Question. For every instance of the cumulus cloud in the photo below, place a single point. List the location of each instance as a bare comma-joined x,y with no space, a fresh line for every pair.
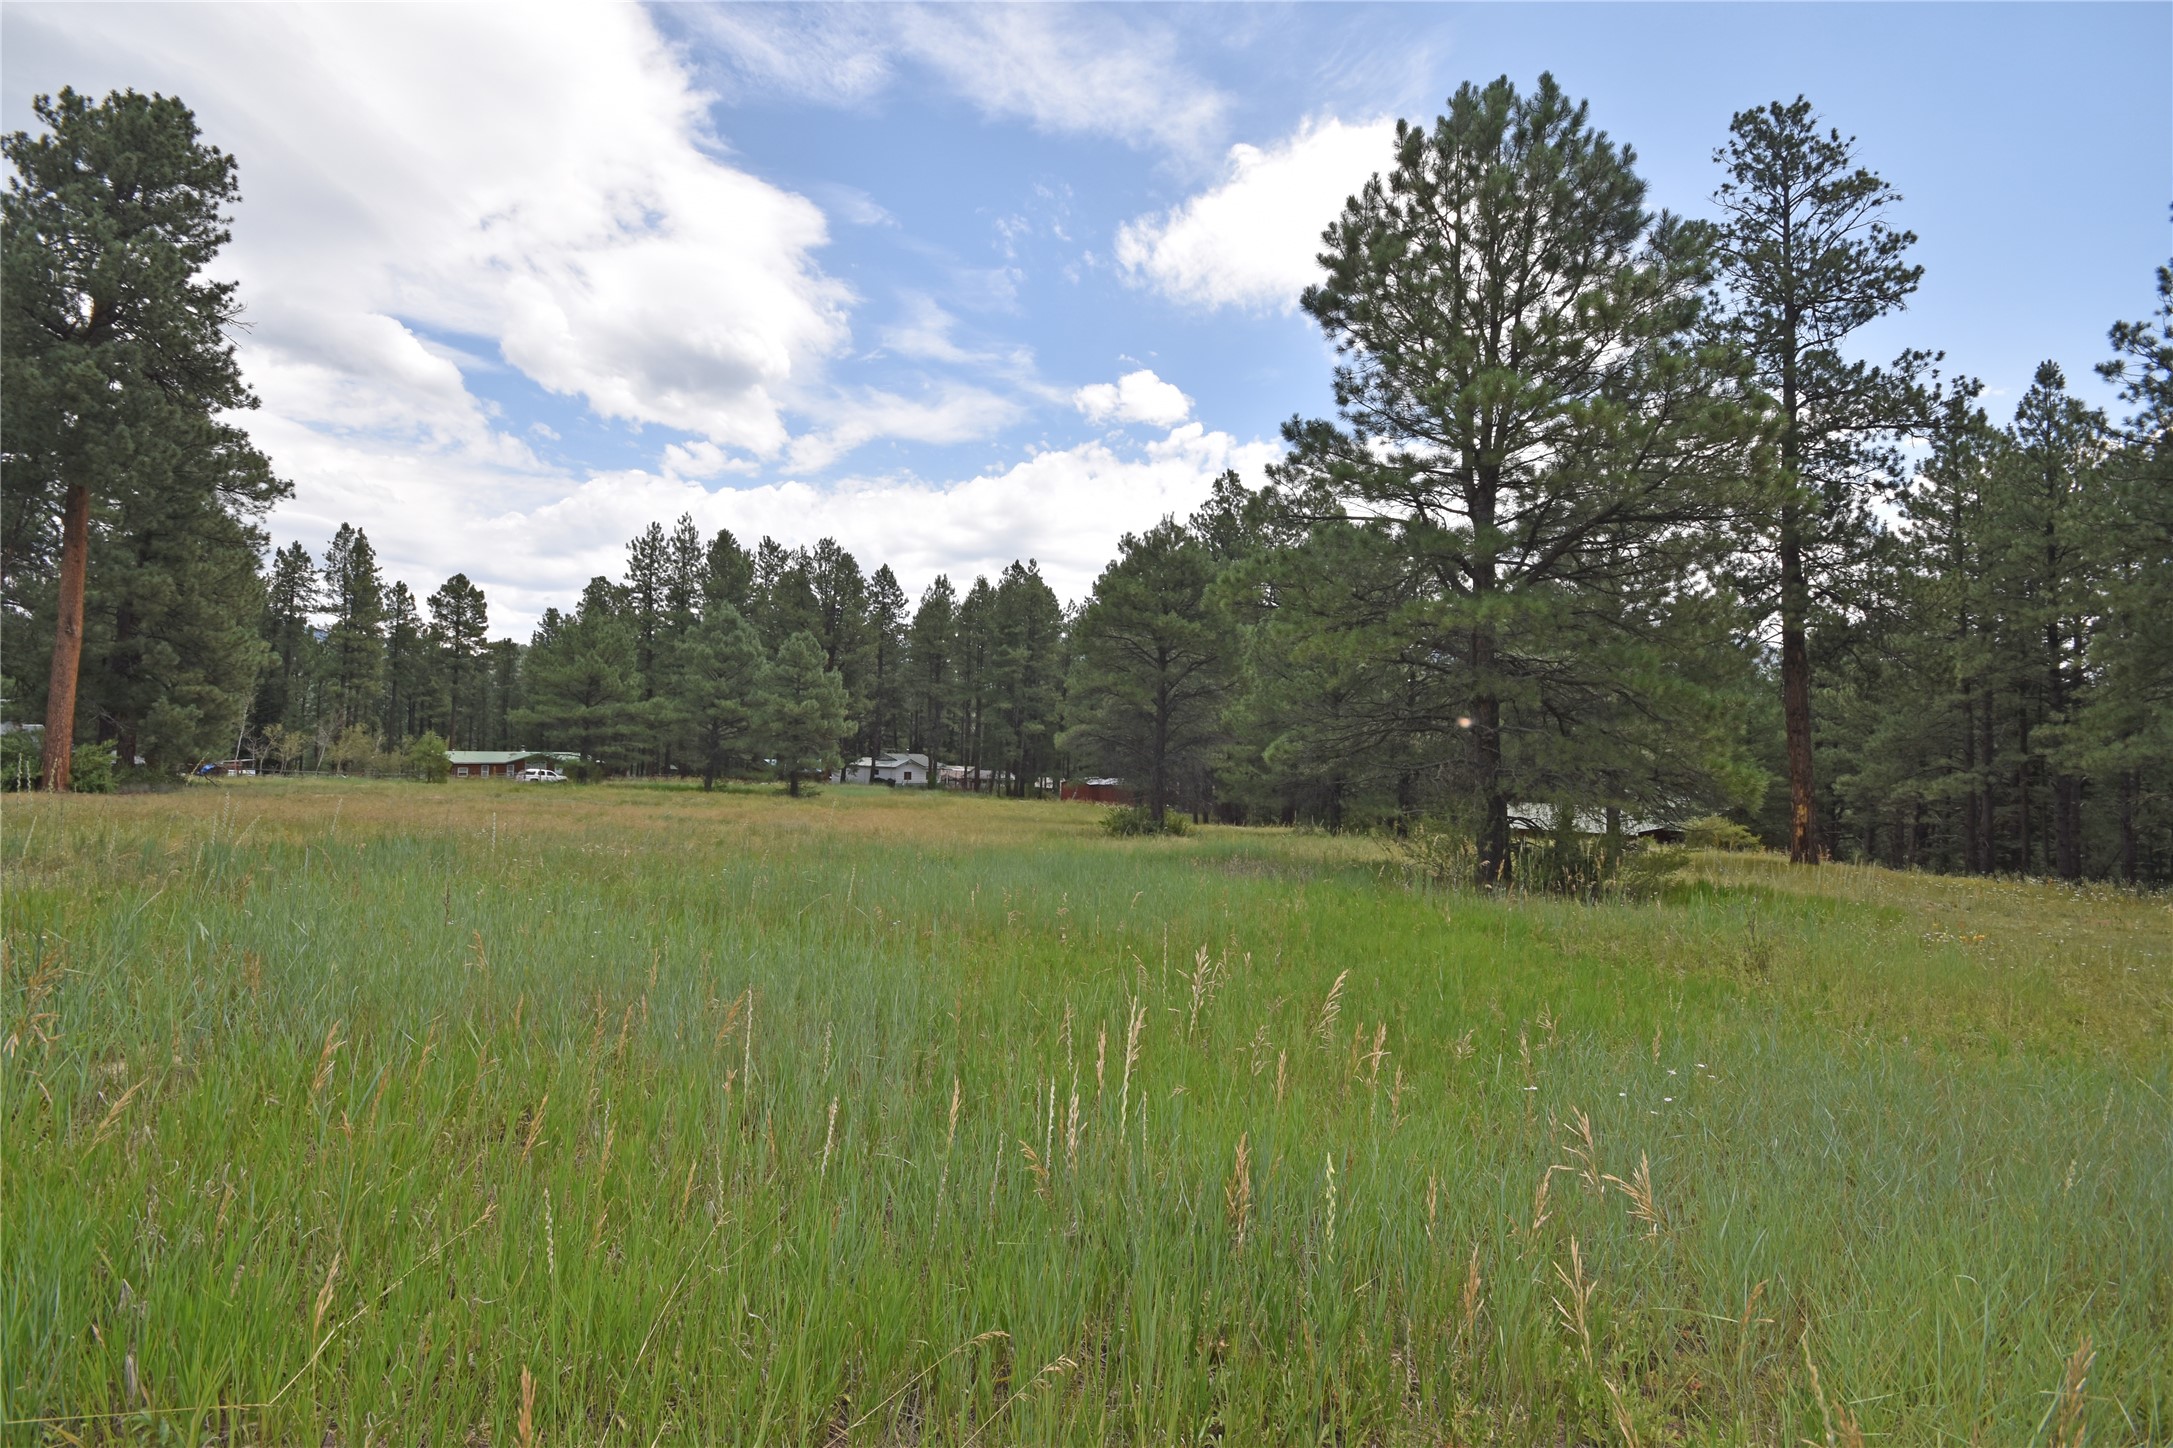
540,181
1135,397
1251,240
1067,508
531,543
436,195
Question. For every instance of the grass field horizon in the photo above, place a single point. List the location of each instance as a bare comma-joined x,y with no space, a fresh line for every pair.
352,1112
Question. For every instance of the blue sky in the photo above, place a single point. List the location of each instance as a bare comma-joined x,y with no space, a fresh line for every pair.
962,284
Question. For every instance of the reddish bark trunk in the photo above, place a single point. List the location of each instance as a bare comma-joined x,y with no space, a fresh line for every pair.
75,547
1796,698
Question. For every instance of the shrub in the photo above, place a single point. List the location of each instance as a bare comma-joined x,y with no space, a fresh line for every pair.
90,769
1564,861
426,758
1129,820
1718,832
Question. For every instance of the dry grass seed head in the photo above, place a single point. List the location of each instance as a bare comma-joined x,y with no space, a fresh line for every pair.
2069,1428
1621,1413
332,1043
1580,1147
1328,1192
113,1112
1841,1429
1330,1009
1643,1206
535,1127
1040,1170
1237,1193
1574,1312
324,1295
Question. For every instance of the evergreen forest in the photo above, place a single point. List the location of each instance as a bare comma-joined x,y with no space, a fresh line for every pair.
1613,524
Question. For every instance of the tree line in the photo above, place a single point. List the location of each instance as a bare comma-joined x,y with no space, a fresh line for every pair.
1609,523
706,658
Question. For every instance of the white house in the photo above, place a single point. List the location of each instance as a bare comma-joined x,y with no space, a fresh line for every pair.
891,768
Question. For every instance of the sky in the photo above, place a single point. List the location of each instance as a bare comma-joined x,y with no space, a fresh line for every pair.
958,285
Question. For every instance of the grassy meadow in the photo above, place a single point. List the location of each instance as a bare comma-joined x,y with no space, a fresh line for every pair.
350,1113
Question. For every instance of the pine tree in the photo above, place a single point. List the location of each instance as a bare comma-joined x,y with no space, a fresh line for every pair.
502,695
884,661
2046,540
840,593
728,574
1943,594
291,599
930,642
1026,672
973,676
174,654
1534,443
685,567
648,563
2129,722
460,628
354,641
115,354
1155,664
1808,259
410,679
719,677
804,704
579,681
781,600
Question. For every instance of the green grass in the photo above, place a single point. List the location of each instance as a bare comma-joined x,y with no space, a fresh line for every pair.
339,1107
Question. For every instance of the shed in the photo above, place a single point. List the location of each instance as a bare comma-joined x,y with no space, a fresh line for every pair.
892,768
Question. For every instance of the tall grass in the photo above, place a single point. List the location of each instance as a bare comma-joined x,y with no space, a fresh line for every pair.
522,1116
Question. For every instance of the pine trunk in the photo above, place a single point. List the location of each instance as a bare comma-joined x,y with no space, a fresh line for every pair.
1494,828
75,547
1796,694
2128,851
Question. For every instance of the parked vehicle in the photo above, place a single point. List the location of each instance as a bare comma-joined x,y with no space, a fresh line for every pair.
542,776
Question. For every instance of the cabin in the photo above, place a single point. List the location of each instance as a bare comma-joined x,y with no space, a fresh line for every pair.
1532,821
960,776
891,768
501,763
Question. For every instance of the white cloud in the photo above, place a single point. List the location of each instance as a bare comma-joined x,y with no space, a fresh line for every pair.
443,196
1135,397
1067,70
923,332
1063,69
831,54
1251,241
1066,508
538,181
533,543
702,458
955,413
